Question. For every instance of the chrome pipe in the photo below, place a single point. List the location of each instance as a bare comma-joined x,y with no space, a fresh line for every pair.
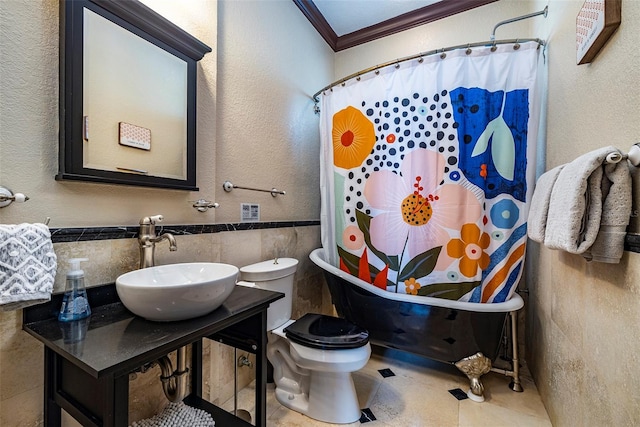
515,384
174,383
240,413
544,12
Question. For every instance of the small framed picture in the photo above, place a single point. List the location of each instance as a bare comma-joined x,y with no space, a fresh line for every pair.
596,22
134,136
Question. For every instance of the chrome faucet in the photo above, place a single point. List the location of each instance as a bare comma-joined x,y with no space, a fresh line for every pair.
147,239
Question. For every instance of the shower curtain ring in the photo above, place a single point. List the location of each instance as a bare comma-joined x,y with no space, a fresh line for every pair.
494,47
397,65
420,60
516,46
443,54
468,51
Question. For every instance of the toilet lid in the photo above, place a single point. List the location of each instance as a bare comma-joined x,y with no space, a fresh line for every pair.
326,332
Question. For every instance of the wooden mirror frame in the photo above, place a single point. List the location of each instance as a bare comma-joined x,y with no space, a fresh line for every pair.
149,25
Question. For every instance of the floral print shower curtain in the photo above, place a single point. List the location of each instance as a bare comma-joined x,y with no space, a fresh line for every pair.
427,169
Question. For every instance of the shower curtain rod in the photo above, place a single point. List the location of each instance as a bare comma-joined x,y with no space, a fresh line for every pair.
492,42
441,51
544,12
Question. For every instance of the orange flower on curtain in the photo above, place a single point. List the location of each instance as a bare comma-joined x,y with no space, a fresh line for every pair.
470,249
353,138
412,286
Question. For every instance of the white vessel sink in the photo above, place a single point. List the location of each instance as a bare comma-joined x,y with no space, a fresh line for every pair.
176,291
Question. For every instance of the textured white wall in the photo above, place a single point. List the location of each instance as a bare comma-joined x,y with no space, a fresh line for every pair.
583,318
255,121
471,26
267,132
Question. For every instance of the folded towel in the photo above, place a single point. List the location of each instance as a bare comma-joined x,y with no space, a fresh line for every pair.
539,208
616,213
27,265
576,203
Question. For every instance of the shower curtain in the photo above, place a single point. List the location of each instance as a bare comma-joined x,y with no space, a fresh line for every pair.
427,169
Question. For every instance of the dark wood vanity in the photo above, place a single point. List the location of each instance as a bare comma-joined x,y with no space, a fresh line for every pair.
87,363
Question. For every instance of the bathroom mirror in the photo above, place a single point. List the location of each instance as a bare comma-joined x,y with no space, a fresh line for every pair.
127,95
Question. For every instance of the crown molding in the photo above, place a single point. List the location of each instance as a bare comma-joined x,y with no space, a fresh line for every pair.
400,23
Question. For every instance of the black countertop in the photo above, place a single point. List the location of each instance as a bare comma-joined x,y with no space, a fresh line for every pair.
114,340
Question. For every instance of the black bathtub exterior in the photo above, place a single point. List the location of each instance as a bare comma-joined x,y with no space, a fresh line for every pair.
443,334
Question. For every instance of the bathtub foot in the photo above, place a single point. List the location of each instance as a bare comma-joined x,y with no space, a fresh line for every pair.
474,367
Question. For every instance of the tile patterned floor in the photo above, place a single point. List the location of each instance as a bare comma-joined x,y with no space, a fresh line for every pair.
417,395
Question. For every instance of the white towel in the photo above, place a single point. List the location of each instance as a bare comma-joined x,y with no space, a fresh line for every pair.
576,204
539,208
27,265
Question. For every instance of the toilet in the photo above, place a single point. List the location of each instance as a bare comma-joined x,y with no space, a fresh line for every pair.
312,357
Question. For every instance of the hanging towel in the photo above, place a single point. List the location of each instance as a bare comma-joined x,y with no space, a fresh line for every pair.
576,204
616,213
537,222
27,265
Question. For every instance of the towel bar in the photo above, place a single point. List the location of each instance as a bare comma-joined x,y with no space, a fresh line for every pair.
228,186
202,205
7,197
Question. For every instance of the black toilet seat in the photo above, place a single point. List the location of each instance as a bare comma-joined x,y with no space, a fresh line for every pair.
326,332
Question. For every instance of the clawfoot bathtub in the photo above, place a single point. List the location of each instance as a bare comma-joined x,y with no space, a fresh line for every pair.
463,333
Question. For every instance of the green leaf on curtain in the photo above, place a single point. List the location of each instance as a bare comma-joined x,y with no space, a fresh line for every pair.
350,260
364,224
452,291
503,150
420,266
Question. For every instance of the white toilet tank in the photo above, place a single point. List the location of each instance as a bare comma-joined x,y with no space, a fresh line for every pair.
274,275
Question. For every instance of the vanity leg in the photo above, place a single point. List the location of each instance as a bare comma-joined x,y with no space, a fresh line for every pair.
116,405
52,412
261,370
196,368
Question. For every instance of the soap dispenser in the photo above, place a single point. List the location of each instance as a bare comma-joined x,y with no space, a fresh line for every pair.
75,304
